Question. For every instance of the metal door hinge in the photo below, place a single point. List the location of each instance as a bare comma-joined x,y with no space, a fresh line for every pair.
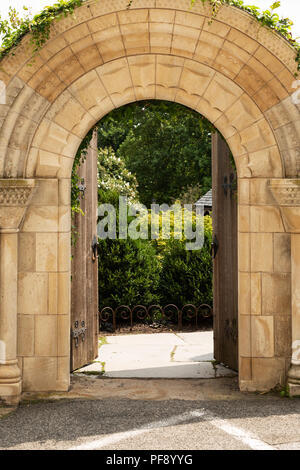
77,332
229,185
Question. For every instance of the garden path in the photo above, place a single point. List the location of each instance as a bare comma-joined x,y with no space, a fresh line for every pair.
162,355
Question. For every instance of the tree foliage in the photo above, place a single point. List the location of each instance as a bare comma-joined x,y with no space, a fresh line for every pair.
165,145
114,176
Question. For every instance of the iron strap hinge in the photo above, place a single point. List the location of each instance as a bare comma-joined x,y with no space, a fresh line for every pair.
77,332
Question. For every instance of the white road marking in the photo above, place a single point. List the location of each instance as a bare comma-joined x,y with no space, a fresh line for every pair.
240,434
237,433
121,436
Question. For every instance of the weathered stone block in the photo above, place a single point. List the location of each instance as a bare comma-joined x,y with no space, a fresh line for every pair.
244,218
160,37
64,191
256,293
276,294
64,252
46,193
244,251
266,219
64,219
46,252
33,293
267,373
283,336
64,293
25,335
136,38
245,369
27,252
52,293
245,335
109,43
40,374
184,40
63,373
45,343
243,191
262,252
262,336
63,335
47,164
282,252
41,219
244,288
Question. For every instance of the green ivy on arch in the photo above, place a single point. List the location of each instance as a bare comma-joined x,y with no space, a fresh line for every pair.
15,28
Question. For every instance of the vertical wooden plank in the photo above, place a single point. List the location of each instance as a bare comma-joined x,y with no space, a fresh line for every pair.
84,306
225,264
216,181
92,265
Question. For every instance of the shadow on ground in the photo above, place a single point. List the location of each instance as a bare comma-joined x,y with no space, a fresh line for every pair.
61,423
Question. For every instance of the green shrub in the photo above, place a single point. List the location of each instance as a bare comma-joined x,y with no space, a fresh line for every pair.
128,273
186,276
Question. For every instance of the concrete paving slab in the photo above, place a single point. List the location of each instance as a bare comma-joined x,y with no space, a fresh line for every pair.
158,356
143,339
200,338
137,349
202,370
193,353
124,354
117,357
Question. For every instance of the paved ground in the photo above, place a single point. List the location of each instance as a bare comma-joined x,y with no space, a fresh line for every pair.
197,406
163,355
128,414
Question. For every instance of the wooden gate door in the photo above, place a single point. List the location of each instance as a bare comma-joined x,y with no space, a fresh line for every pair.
224,252
84,285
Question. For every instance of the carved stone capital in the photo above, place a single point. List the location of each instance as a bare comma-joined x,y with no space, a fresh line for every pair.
286,193
15,195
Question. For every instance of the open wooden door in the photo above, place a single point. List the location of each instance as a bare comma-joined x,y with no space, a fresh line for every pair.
224,252
84,285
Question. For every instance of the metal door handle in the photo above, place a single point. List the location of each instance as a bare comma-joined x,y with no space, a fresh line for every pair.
95,246
214,247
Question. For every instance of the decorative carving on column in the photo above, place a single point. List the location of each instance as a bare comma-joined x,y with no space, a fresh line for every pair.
286,193
15,196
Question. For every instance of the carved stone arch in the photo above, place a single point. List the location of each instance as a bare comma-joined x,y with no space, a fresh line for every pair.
235,72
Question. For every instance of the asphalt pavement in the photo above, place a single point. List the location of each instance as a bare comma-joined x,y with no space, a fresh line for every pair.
113,414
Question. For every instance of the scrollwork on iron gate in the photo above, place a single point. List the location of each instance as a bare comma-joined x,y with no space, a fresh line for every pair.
141,313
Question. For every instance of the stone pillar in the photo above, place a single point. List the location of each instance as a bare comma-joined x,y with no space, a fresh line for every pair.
264,288
287,194
14,198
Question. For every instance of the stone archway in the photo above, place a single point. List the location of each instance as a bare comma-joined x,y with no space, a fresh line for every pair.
237,74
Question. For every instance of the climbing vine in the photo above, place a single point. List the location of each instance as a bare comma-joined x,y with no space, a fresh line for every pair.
15,28
79,159
268,18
